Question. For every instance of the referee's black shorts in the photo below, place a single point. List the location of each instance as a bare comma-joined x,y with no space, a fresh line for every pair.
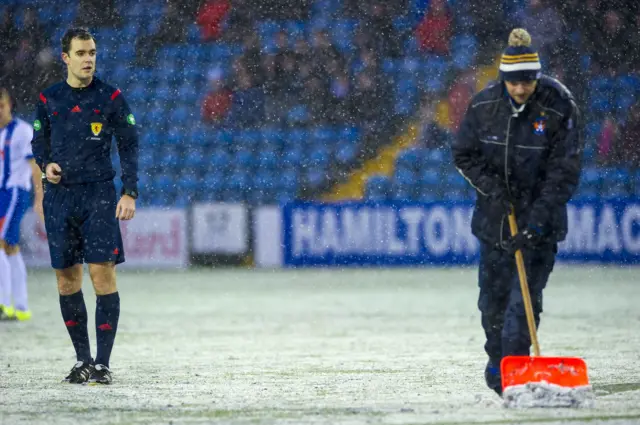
81,224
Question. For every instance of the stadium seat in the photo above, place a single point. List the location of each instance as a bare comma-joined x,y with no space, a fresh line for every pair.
268,159
315,177
219,159
454,181
188,182
220,138
175,136
168,158
187,94
434,157
586,193
324,136
428,195
244,158
296,137
455,195
164,184
430,178
601,85
350,134
288,180
271,138
346,154
282,196
237,186
377,188
146,159
298,115
615,191
264,180
292,156
410,158
195,158
405,176
319,157
247,139
402,192
179,115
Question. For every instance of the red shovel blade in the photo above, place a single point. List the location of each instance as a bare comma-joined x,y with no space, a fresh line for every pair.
562,371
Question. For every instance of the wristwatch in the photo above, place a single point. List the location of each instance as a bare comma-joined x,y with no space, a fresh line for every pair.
131,193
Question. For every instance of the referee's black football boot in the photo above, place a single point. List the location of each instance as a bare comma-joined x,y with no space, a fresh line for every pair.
101,375
80,373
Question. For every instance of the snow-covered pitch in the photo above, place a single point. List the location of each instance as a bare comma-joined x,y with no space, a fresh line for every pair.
315,346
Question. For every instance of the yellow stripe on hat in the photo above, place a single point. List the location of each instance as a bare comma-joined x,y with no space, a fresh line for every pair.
521,61
520,58
524,55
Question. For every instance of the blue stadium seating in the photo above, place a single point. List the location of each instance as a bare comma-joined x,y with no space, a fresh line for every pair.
377,188
315,176
402,192
271,161
430,178
195,158
346,154
288,180
268,159
292,156
454,180
410,158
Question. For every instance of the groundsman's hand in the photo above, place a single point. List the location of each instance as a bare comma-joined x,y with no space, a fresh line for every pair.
126,208
53,173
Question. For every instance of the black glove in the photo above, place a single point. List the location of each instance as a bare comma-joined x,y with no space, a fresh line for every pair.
528,238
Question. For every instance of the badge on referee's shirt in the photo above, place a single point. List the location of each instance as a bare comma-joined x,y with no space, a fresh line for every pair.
96,128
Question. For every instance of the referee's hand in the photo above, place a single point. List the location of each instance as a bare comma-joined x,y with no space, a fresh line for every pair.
53,173
126,208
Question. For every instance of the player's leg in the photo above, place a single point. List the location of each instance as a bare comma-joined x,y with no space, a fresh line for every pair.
7,204
539,264
16,262
103,276
7,312
65,248
103,251
74,314
495,274
19,309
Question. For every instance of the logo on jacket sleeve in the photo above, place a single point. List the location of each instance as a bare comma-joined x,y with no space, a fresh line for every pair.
131,120
37,125
96,128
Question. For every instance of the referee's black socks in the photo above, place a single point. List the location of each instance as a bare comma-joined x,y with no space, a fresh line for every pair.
74,314
107,315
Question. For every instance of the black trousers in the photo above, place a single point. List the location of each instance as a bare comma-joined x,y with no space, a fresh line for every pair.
500,301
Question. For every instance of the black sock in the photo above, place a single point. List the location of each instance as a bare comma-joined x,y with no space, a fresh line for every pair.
74,314
107,314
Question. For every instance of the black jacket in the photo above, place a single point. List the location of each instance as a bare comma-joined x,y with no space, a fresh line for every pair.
74,128
535,154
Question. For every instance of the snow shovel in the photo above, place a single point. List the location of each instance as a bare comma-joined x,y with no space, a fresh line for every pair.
562,373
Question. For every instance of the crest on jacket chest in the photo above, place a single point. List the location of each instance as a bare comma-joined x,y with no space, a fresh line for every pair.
540,124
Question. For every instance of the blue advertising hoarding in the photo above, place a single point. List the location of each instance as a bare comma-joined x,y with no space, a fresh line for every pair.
415,234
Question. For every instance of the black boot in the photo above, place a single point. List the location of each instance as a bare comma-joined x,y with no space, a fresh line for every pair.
492,376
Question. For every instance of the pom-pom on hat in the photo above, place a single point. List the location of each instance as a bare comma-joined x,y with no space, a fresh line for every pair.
520,62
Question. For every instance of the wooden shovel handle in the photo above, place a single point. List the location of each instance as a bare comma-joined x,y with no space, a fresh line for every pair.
524,287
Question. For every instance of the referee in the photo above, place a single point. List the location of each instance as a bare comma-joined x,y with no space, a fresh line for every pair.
75,122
